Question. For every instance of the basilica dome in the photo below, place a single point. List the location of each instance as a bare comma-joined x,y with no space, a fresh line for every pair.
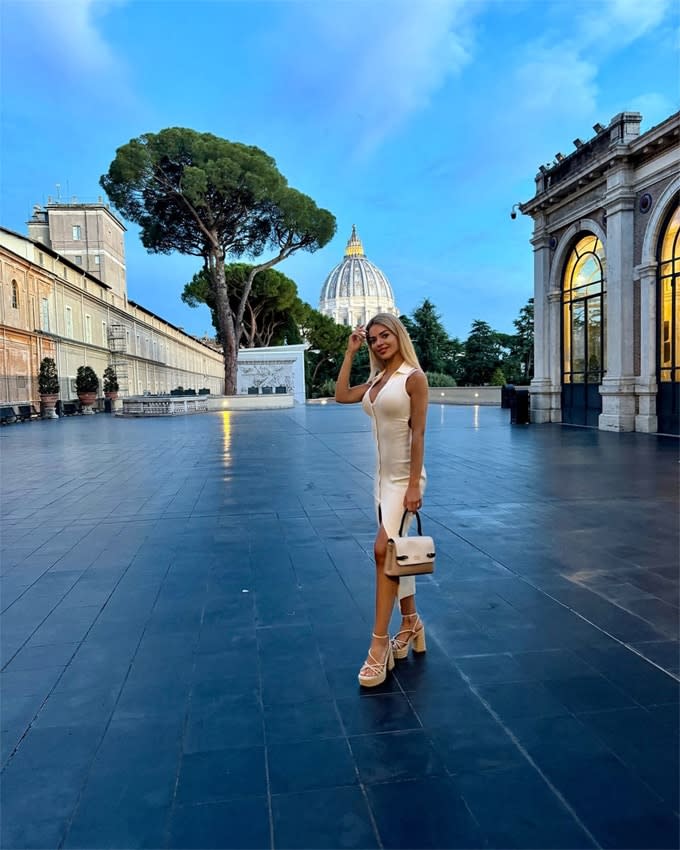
356,289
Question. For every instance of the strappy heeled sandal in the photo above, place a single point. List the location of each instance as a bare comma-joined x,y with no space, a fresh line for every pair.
404,639
377,670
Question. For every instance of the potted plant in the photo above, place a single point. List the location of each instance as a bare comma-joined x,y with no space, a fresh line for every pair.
111,386
87,384
48,387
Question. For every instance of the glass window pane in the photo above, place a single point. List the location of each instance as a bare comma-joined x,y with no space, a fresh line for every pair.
569,270
566,319
666,318
578,339
676,322
586,244
594,338
587,271
669,246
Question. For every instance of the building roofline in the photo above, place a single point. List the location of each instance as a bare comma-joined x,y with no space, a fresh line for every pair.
42,247
591,160
99,205
169,324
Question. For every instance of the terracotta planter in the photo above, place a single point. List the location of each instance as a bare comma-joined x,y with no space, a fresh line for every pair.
49,402
86,401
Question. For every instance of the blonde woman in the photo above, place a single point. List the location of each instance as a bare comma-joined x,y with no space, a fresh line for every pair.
396,398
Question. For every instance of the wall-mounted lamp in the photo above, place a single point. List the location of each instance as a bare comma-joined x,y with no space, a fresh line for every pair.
513,211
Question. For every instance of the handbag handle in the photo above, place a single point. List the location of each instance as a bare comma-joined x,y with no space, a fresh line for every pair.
403,520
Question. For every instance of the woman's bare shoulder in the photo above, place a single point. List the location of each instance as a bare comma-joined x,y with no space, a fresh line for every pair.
417,378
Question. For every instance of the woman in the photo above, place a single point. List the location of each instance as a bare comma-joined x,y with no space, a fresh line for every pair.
396,398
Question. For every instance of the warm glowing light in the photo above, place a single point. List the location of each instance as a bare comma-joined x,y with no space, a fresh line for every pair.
226,437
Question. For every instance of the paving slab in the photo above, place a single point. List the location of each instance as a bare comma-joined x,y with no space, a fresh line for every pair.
186,603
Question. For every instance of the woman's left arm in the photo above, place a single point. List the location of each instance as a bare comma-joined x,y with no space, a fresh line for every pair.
416,387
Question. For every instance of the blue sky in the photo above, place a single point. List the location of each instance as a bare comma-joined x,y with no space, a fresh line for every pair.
423,123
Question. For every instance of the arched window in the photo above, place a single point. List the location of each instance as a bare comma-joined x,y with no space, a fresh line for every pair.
669,301
668,323
584,310
15,295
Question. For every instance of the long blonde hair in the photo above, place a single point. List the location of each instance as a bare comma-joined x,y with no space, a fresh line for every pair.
406,348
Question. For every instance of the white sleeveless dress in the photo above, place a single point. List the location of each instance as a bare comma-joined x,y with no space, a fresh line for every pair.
390,413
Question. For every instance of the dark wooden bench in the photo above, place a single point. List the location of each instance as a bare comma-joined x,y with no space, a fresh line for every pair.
7,415
27,412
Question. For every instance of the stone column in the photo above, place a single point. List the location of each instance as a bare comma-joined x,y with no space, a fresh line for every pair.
542,390
555,355
618,386
645,382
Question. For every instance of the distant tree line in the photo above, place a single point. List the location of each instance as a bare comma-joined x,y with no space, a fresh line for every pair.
276,315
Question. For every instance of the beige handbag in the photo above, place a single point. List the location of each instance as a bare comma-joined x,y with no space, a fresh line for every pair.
409,556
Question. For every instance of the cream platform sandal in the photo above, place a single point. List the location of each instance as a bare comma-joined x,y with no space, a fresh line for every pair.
402,641
376,670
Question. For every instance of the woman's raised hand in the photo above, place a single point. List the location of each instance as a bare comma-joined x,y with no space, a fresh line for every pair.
356,339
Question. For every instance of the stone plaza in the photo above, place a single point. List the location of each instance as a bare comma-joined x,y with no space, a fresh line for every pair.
187,601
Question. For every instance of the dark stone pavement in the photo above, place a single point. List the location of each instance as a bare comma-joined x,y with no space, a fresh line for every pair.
186,604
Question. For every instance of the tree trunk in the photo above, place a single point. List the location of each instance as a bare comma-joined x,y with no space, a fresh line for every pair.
225,318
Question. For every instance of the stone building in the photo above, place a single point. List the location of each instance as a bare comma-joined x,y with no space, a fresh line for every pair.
63,294
356,289
607,280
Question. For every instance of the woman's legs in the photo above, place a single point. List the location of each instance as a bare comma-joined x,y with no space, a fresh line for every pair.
411,631
385,594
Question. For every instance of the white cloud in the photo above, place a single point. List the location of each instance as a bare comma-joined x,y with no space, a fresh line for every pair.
555,79
377,64
612,24
655,107
73,31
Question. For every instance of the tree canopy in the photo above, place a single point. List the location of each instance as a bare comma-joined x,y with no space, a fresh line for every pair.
272,305
199,194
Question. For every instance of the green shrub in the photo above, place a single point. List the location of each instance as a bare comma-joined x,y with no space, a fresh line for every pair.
86,380
498,378
327,389
48,379
110,380
440,379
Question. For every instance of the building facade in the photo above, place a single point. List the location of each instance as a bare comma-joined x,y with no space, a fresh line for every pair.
53,305
356,289
607,280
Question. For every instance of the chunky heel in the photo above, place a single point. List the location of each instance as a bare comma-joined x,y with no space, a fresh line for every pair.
419,644
402,641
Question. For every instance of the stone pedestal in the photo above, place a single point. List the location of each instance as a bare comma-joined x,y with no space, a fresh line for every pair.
646,419
645,383
546,401
618,404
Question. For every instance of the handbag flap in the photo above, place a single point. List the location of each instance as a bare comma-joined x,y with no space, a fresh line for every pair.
413,550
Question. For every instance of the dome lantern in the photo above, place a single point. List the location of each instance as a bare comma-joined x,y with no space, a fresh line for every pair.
356,289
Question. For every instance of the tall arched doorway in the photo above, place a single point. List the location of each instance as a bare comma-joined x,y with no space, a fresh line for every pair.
668,312
583,332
